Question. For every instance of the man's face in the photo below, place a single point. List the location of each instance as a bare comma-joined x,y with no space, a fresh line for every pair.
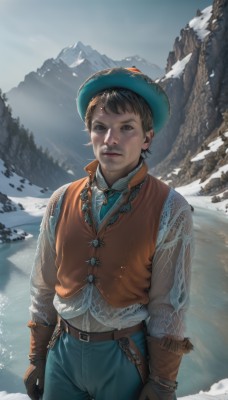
117,141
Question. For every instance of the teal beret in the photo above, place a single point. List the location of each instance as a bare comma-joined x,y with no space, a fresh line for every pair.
127,78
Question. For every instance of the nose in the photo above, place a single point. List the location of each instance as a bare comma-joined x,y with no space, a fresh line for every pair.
111,136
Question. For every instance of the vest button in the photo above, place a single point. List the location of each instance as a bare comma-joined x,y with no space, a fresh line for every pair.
95,243
93,261
90,278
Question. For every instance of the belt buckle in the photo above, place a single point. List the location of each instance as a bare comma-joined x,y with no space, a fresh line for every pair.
84,337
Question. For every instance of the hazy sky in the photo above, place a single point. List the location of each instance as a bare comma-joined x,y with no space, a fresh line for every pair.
33,30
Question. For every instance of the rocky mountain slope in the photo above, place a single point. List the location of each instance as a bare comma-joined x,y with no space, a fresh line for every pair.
21,155
196,81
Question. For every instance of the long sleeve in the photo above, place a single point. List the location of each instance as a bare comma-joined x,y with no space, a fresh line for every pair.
43,276
170,281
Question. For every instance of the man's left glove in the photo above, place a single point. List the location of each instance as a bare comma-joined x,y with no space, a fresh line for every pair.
34,375
165,357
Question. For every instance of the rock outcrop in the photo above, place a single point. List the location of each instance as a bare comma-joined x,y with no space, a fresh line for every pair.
198,95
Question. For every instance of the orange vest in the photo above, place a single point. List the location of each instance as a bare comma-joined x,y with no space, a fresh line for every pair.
117,258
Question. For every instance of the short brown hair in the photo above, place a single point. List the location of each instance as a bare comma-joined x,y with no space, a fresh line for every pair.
118,101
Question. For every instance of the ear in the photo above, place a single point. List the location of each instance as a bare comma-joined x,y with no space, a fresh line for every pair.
148,139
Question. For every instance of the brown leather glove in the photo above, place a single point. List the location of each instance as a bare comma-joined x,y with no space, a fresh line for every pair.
34,375
34,379
165,357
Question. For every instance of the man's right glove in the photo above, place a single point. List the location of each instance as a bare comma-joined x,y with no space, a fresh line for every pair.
34,375
165,357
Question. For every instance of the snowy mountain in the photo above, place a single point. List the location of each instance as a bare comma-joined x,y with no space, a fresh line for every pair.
77,53
51,92
196,82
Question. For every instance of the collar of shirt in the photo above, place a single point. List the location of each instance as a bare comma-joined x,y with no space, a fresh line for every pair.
119,185
99,187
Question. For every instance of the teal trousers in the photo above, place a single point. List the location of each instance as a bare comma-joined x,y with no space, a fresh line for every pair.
77,370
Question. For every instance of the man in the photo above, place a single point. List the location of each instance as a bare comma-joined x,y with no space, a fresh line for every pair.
112,266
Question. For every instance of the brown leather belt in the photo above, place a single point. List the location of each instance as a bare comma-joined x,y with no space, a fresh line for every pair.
99,336
122,336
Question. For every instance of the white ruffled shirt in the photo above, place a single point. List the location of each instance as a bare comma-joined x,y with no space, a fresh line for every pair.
87,310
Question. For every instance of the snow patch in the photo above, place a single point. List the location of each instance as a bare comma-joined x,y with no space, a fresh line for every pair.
178,68
218,391
26,203
217,174
213,146
200,23
13,396
191,193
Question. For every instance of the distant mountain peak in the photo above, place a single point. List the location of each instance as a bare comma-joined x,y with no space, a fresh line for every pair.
77,53
72,55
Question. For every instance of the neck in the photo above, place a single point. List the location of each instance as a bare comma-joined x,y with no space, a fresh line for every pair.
110,178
